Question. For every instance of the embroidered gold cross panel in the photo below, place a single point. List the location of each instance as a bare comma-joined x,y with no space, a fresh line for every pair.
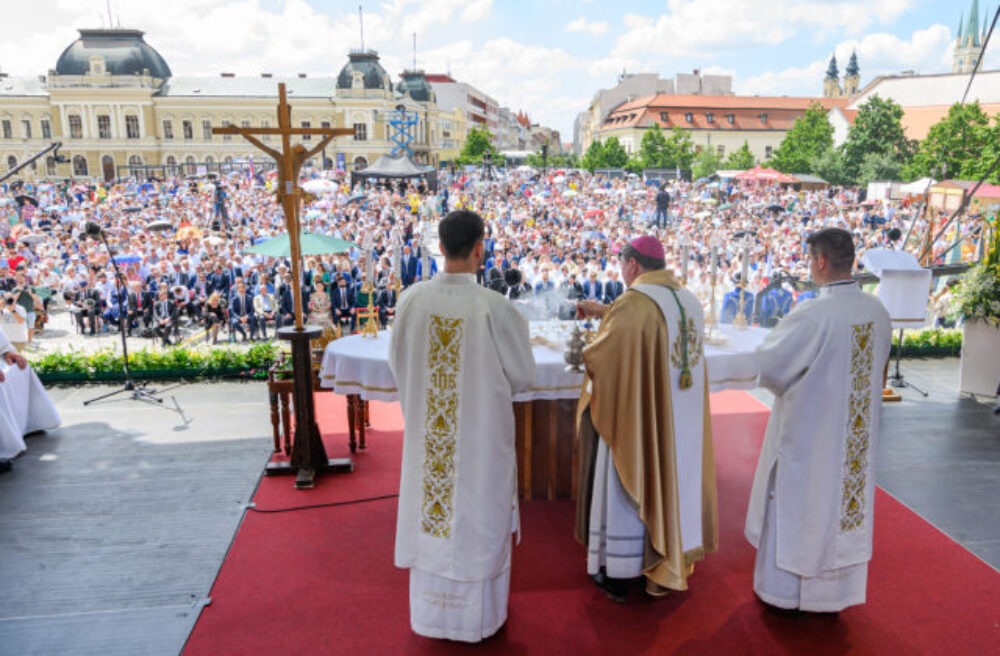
852,505
441,424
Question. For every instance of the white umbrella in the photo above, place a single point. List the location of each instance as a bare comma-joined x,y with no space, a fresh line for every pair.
318,186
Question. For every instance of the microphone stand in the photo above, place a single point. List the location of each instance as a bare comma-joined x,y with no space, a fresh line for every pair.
139,392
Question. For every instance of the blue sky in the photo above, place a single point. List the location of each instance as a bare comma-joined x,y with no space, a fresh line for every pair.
547,57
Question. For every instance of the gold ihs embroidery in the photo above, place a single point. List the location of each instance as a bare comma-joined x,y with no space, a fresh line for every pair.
441,425
852,505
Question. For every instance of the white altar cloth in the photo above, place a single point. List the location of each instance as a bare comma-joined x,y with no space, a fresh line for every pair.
359,366
25,407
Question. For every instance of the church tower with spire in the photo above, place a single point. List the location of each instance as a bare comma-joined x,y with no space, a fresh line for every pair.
831,83
969,42
852,76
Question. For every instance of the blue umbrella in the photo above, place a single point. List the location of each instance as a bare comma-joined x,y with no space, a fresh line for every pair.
127,258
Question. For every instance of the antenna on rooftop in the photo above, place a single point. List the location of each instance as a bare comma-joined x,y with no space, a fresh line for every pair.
111,22
414,51
361,27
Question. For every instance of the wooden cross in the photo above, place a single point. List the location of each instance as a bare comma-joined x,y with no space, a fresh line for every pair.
308,452
289,160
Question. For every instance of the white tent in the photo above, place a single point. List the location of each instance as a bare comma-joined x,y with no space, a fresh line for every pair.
917,187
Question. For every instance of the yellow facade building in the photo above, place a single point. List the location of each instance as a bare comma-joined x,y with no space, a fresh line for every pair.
118,110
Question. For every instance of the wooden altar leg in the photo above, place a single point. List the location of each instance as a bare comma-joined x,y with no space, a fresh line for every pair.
272,397
284,398
352,401
362,421
368,421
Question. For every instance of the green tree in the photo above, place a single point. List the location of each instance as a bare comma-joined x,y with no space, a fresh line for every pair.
954,146
879,166
877,128
678,150
634,164
594,157
830,166
740,159
477,143
652,148
706,163
811,134
615,156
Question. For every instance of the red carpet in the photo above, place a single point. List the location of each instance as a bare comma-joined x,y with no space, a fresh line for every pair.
321,581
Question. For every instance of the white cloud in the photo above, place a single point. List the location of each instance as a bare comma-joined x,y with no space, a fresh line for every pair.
926,51
697,28
581,24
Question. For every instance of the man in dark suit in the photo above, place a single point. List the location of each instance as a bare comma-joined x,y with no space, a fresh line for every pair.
286,308
409,273
88,304
613,288
164,316
134,307
593,289
387,301
241,314
220,281
572,288
342,302
662,204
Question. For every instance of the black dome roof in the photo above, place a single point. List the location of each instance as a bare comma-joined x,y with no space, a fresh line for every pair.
415,85
367,64
124,53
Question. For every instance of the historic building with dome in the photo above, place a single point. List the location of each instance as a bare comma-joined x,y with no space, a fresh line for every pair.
116,106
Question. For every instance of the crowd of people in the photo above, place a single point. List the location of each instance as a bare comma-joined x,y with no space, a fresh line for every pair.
553,238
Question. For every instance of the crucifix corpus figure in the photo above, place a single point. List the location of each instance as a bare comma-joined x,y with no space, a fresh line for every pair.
308,452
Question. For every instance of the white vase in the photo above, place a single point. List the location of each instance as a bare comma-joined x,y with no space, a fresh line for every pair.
980,369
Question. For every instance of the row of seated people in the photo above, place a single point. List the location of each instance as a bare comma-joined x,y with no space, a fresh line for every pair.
245,314
161,313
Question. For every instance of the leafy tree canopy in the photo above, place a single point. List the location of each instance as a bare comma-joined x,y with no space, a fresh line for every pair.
811,134
740,159
877,128
957,146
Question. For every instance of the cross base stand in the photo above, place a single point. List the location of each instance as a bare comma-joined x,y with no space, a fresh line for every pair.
308,453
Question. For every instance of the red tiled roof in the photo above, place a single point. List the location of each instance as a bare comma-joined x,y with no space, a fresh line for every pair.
439,77
668,101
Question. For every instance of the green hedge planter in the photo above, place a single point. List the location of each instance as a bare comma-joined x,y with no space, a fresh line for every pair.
74,367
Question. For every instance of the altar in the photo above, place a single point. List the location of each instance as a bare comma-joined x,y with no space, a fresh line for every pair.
545,413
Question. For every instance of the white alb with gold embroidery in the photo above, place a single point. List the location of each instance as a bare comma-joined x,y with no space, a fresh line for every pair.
458,353
824,362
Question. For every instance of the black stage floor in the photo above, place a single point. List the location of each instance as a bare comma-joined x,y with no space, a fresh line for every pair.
940,456
113,527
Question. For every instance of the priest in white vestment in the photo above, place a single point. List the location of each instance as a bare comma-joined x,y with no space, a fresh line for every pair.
811,508
647,503
24,405
459,352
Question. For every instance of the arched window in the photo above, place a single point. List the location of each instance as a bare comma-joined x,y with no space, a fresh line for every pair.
135,160
108,167
11,163
360,163
189,162
80,166
171,160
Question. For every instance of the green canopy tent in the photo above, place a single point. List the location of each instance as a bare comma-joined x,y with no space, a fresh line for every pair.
311,244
